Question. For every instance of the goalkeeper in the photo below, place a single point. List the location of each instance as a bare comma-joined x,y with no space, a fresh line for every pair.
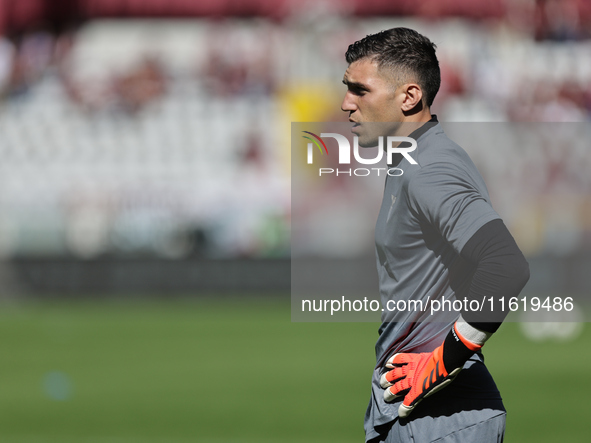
437,238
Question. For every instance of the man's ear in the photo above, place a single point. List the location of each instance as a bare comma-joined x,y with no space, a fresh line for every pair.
413,96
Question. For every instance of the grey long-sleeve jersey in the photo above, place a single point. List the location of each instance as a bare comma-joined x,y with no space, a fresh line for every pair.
427,216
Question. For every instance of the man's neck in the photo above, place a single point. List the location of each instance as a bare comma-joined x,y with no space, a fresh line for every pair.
422,116
411,123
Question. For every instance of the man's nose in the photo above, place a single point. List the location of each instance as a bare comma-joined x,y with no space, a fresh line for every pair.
348,104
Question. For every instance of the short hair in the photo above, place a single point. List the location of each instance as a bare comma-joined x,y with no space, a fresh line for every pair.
404,51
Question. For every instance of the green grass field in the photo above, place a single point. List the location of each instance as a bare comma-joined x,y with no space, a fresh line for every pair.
238,371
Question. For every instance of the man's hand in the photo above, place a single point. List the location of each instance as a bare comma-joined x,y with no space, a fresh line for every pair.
417,376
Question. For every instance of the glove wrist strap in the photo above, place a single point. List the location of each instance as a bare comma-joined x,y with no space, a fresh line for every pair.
457,348
470,336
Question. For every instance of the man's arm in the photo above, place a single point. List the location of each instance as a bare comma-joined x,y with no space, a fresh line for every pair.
500,270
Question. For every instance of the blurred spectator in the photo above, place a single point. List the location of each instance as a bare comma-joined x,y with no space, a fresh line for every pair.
130,91
558,20
27,63
141,86
239,66
7,51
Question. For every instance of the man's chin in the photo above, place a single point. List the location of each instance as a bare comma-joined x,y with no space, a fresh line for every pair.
368,134
366,141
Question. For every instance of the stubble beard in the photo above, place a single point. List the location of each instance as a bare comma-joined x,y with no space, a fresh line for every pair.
369,133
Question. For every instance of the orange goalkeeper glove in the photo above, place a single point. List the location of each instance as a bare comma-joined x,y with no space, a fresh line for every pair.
417,376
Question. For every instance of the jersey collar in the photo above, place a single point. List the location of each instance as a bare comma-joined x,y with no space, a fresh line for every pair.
415,134
428,125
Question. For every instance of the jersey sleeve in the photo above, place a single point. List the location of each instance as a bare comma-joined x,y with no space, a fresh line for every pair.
446,198
501,270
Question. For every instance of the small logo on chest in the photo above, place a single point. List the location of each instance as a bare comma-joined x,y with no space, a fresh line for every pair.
392,205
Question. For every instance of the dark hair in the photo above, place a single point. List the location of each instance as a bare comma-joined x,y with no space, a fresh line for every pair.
405,51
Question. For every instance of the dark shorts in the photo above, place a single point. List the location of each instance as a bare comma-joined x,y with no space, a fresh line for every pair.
469,410
476,426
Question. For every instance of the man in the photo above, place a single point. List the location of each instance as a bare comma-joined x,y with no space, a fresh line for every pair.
437,238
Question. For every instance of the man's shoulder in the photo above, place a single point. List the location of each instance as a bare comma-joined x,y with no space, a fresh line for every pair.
436,154
435,147
440,161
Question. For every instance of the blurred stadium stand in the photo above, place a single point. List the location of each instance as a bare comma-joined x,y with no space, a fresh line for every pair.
148,138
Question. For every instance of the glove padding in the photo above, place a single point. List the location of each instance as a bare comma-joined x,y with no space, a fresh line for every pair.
417,376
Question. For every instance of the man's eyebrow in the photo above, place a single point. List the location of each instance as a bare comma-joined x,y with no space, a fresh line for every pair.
355,85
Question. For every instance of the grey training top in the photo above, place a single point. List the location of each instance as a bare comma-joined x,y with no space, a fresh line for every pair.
427,216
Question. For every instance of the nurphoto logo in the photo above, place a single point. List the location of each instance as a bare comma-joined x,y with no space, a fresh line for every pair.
394,145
